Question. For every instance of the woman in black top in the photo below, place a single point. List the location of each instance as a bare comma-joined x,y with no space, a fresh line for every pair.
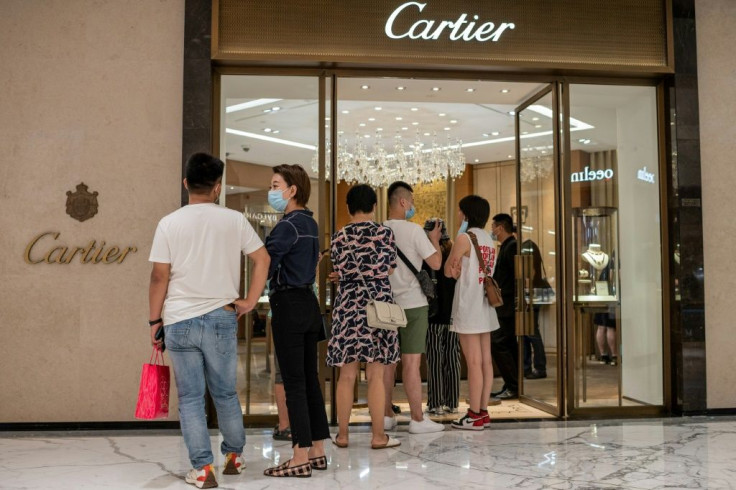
443,347
293,245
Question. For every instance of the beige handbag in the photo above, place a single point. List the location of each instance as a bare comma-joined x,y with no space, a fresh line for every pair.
380,314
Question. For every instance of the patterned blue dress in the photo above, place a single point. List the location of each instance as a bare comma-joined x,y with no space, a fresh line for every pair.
372,246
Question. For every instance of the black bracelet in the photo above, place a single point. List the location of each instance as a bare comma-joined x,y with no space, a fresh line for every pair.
154,322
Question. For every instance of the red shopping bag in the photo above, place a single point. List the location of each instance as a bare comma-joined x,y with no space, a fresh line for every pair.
153,394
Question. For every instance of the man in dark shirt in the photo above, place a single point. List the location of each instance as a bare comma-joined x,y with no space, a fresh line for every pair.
504,345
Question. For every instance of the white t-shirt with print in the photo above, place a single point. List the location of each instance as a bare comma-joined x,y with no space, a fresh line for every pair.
203,243
416,246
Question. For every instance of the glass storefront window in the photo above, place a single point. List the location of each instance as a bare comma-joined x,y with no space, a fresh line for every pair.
616,240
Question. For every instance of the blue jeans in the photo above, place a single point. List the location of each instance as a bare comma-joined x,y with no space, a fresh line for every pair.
204,350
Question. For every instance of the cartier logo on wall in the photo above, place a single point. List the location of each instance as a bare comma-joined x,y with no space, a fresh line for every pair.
81,205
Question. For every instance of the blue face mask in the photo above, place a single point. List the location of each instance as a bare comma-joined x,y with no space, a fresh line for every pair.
463,227
277,201
409,214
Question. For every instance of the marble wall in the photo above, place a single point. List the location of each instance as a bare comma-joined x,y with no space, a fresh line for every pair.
717,95
91,92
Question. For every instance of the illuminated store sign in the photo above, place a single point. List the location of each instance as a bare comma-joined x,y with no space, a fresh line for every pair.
645,176
587,175
92,253
459,30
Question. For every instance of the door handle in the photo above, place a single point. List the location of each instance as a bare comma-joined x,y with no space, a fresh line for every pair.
524,294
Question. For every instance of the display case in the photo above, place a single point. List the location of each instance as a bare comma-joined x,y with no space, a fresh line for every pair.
595,253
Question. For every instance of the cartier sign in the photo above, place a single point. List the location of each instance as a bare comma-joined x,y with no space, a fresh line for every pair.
461,29
45,248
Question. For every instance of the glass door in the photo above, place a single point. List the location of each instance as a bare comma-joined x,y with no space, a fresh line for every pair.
538,270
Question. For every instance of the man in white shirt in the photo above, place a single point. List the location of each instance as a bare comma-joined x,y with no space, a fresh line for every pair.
413,242
195,281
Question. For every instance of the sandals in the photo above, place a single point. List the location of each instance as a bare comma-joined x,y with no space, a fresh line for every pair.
339,444
318,463
282,435
390,442
285,470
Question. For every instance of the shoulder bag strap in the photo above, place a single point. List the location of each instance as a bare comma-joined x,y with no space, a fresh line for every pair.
350,251
406,261
474,239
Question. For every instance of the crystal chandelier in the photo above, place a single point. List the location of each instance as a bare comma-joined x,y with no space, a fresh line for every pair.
379,168
533,168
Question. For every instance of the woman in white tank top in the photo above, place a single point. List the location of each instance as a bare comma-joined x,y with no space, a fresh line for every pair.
473,318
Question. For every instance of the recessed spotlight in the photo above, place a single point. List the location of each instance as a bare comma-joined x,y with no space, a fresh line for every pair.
537,125
511,156
442,114
535,119
404,128
426,134
400,87
525,132
495,133
415,123
379,129
505,90
377,108
399,118
371,119
266,110
512,113
581,140
485,135
476,160
447,129
362,125
414,109
275,131
346,112
327,119
267,130
232,188
453,121
544,151
365,87
367,136
341,132
436,89
276,108
470,90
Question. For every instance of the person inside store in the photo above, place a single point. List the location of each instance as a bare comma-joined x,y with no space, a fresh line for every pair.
473,256
443,347
605,336
195,281
416,247
293,245
535,359
363,255
504,345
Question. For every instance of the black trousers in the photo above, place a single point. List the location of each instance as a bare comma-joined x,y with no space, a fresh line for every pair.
534,343
505,351
296,323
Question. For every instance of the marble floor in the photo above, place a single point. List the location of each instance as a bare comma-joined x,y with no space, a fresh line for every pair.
677,453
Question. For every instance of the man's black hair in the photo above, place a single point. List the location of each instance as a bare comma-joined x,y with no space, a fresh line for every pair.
395,187
202,172
476,210
505,220
361,198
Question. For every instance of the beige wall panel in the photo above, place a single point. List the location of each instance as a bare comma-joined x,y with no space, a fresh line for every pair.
717,96
92,92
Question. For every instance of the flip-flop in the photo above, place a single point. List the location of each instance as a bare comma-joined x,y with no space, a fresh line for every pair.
339,444
390,442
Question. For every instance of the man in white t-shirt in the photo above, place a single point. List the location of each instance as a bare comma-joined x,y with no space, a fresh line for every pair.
413,242
195,280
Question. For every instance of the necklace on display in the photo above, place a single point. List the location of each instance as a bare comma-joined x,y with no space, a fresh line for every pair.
596,258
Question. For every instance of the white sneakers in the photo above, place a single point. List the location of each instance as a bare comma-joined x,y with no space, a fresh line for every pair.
204,478
389,423
426,426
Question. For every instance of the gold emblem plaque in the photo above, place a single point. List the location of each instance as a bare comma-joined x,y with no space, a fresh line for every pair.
81,205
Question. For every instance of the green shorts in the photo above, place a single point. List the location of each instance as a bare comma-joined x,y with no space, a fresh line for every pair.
413,337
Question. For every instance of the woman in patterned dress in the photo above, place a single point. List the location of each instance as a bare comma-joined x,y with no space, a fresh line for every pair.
363,256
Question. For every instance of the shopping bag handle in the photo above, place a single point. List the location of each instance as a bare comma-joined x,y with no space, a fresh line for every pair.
157,356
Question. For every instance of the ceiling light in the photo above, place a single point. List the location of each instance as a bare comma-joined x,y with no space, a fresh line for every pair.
495,133
415,123
231,187
267,130
269,138
470,90
511,156
447,129
400,87
346,112
415,109
327,119
341,132
367,136
512,113
453,121
277,108
399,118
537,125
362,125
248,105
275,131
436,89
379,129
505,90
525,132
266,110
365,87
371,119
442,114
476,160
404,128
535,119
377,108
485,135
426,134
